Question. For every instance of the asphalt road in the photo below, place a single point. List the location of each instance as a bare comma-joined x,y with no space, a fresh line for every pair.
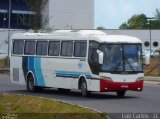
147,101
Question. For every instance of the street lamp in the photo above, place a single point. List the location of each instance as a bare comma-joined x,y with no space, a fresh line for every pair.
150,19
9,27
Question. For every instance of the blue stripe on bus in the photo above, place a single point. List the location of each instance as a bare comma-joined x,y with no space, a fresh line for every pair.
39,75
32,69
34,65
72,74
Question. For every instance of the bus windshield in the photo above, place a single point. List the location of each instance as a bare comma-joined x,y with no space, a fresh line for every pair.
122,57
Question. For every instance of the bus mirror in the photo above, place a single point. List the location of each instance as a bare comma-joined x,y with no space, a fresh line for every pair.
147,59
100,54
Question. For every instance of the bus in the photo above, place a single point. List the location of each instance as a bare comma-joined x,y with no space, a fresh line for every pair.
84,60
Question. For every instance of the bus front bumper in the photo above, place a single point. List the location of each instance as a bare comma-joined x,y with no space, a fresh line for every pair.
110,86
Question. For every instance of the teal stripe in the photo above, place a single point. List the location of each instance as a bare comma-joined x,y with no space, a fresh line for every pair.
72,74
38,71
32,68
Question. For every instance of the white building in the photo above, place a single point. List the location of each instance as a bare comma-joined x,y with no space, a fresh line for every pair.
68,14
150,38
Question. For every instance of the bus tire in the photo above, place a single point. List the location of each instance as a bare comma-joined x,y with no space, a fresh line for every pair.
121,93
84,91
31,86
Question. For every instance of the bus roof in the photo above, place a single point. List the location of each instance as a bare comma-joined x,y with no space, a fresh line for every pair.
96,35
116,39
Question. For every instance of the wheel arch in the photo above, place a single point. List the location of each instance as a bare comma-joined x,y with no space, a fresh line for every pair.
81,78
30,73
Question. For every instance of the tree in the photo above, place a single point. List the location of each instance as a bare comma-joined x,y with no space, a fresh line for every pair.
141,21
157,14
124,26
36,5
101,28
136,22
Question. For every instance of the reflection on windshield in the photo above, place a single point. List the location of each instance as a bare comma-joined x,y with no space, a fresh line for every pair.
132,58
121,57
112,58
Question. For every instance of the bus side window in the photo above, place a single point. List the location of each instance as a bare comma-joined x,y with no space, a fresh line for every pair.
30,48
93,57
80,49
54,48
67,48
42,47
18,47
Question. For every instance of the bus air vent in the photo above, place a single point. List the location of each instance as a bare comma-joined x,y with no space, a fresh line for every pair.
15,74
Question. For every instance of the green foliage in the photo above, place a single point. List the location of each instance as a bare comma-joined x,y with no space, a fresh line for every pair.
101,28
136,22
141,21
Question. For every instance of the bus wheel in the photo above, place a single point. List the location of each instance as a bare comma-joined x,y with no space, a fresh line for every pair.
30,85
121,93
84,91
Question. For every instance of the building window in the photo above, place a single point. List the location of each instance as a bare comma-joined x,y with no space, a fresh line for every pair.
30,47
18,47
80,49
155,44
42,47
67,48
146,44
54,48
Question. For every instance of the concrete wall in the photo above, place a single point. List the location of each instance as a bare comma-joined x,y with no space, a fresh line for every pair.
70,14
144,35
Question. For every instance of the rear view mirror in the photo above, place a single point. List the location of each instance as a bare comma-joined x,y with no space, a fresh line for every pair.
100,54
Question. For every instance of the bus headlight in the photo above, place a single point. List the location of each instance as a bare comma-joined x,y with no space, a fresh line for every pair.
106,78
140,79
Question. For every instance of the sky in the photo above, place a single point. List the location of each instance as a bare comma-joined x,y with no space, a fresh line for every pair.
112,13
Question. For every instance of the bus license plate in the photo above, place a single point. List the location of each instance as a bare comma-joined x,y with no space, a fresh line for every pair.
124,86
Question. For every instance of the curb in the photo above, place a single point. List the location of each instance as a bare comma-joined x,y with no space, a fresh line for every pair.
155,83
152,79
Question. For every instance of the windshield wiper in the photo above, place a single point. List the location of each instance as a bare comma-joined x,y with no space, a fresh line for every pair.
130,65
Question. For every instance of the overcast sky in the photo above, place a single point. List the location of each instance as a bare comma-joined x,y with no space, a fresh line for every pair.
112,13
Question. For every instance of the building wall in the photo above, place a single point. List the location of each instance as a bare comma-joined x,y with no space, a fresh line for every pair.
70,14
144,35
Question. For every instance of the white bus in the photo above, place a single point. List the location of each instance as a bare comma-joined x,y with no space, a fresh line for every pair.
85,60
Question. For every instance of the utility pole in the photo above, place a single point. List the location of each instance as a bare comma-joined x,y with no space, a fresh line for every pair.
9,27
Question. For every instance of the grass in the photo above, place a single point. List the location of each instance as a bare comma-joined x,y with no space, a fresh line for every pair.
153,69
2,64
31,107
